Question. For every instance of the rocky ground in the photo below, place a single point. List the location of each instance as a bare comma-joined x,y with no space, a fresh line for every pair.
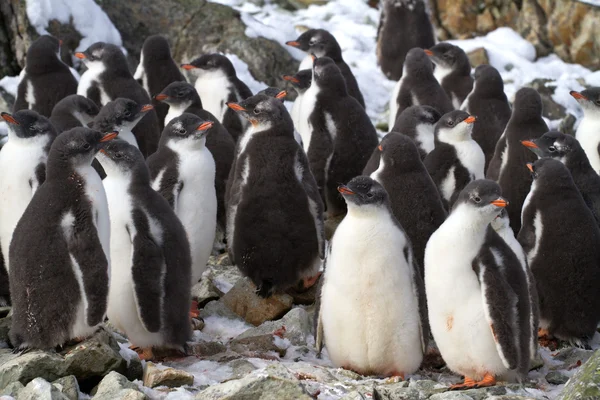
254,349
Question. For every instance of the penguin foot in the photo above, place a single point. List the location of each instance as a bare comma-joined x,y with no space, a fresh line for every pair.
144,353
543,333
397,374
546,340
309,282
194,312
468,383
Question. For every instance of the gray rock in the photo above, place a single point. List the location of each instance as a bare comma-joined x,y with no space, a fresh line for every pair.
585,384
450,396
12,389
40,389
241,368
68,386
169,377
484,393
552,110
478,57
306,371
427,387
205,291
572,357
115,386
567,125
556,378
29,366
204,348
296,326
397,392
256,346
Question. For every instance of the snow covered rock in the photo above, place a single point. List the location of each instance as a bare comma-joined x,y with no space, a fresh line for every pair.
296,326
39,389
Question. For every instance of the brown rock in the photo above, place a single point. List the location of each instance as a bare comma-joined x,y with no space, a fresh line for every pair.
205,349
256,346
171,377
478,57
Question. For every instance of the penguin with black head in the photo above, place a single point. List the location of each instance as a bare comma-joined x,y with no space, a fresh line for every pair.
452,71
587,131
73,111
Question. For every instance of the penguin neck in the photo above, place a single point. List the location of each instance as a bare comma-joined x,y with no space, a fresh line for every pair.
84,119
187,146
252,132
175,110
366,211
467,222
30,142
591,113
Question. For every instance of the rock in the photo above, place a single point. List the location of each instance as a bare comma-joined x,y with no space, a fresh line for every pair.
205,291
567,124
556,378
256,346
41,389
450,396
169,377
240,368
396,392
115,386
243,301
585,384
204,348
552,110
218,309
68,386
296,326
478,57
12,389
31,365
427,387
484,393
572,357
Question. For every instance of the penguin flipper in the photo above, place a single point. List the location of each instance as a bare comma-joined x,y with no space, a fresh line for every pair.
312,191
493,169
319,151
419,291
318,321
93,93
21,102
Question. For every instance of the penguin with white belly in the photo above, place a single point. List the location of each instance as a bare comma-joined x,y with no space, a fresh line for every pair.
587,131
300,81
452,71
150,288
73,111
121,115
60,248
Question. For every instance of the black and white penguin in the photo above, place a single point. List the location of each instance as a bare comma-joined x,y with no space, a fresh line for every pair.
217,84
183,172
275,215
47,79
108,78
321,43
418,87
156,71
121,115
403,25
301,81
481,329
281,95
587,131
489,104
60,248
373,311
150,283
338,134
73,111
456,159
568,150
452,71
556,226
182,97
23,162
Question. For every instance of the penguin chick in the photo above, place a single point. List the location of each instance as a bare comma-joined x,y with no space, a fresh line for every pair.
73,111
373,306
562,243
60,248
418,123
452,71
321,43
477,329
301,81
47,79
587,131
150,285
275,215
183,172
121,115
418,86
456,159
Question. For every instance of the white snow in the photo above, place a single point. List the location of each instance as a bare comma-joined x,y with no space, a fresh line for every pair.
242,72
223,328
10,84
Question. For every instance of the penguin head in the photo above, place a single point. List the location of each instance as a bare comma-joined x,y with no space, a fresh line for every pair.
589,99
553,144
328,77
178,93
483,199
78,146
187,130
119,158
449,57
301,80
488,81
43,55
274,92
399,152
549,170
455,126
319,42
82,108
211,63
156,48
414,116
417,63
363,191
264,112
122,114
102,55
527,105
28,124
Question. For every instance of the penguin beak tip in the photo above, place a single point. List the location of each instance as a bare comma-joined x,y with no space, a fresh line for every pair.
81,56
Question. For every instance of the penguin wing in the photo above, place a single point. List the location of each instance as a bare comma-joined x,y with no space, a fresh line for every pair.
320,149
318,321
38,178
93,93
526,236
148,265
312,191
438,162
493,171
21,100
419,291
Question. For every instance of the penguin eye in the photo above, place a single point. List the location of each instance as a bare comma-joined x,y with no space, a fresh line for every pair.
118,154
552,148
477,199
369,194
181,131
256,111
86,146
450,123
127,113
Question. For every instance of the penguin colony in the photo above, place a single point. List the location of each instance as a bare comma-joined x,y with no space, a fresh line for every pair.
122,218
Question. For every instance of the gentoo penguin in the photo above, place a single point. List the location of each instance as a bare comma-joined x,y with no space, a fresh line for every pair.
373,311
182,97
23,160
489,104
568,150
562,243
217,84
107,79
301,81
321,43
482,329
418,123
403,25
281,95
418,86
121,115
452,71
275,215
587,131
156,71
456,159
73,111
60,248
183,172
150,288
414,198
47,79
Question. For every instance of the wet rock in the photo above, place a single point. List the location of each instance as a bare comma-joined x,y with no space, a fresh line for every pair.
29,366
169,377
572,356
12,389
241,368
204,348
484,393
556,378
256,346
205,291
296,326
68,386
115,386
585,384
41,389
450,396
478,57
243,301
551,109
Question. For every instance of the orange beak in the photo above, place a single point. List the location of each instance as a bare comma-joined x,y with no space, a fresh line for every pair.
147,107
530,167
205,126
103,151
235,107
81,56
281,95
187,67
577,95
313,57
500,202
290,78
161,97
344,190
293,43
428,52
380,147
529,144
9,118
109,136
470,120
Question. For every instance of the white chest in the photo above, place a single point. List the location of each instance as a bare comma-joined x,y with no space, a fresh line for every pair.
426,136
214,89
307,107
126,134
30,94
91,78
175,111
589,137
307,63
471,157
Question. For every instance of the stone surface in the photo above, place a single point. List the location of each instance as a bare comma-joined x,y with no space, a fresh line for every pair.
296,326
68,386
567,124
203,348
170,377
551,109
40,389
585,384
450,396
205,291
28,366
12,389
478,57
256,346
556,378
115,386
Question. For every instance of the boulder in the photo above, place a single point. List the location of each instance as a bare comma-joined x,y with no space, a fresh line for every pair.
11,389
585,384
450,396
478,57
296,326
556,378
40,389
68,386
115,386
256,346
552,110
31,365
204,348
169,377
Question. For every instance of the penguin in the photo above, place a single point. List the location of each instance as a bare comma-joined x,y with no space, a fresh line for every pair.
403,25
183,172
418,123
121,115
281,95
321,43
217,84
456,159
587,131
156,71
482,329
73,111
150,289
108,78
182,97
418,86
452,71
557,225
275,230
60,248
300,81
489,104
338,132
47,79
568,150
372,309
414,198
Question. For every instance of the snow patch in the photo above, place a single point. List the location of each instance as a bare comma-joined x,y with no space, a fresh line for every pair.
126,352
10,84
243,73
224,328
